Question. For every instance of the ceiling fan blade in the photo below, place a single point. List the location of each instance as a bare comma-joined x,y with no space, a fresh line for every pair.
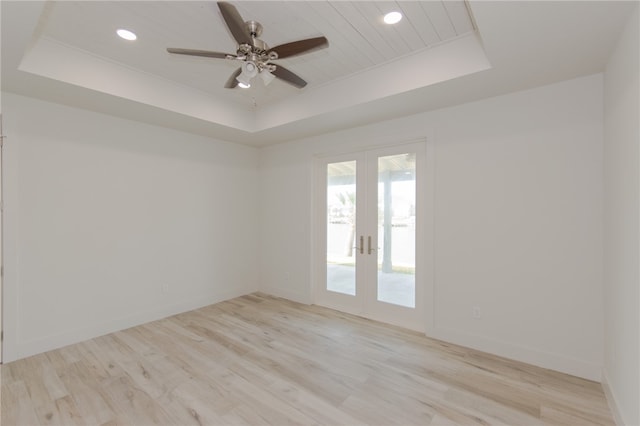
289,77
193,52
232,82
301,46
234,22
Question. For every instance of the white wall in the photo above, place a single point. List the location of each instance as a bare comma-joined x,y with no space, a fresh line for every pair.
518,220
622,233
101,213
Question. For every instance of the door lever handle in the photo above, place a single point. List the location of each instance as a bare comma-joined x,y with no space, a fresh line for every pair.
369,249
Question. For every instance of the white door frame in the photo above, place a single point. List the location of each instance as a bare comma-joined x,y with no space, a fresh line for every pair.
424,235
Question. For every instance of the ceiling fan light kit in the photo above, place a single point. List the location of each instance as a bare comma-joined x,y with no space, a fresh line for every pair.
249,70
267,77
255,54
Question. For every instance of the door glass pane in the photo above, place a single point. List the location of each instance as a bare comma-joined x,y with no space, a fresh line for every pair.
341,226
396,229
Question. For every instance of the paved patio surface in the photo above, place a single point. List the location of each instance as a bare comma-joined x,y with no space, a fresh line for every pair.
394,287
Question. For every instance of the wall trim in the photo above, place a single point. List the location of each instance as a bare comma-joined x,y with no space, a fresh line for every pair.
48,343
552,361
612,400
285,294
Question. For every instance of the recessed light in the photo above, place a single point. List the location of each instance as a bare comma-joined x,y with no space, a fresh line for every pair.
243,86
126,34
392,17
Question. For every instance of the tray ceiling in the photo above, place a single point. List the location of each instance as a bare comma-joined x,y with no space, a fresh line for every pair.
68,52
359,40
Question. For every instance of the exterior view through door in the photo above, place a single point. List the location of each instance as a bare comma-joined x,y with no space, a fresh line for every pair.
368,217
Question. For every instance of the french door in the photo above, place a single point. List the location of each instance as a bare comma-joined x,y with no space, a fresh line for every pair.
369,234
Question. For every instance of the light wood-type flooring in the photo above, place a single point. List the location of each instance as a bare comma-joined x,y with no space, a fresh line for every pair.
258,360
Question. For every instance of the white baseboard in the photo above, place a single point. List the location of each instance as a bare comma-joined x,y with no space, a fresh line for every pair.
612,400
551,361
36,346
305,299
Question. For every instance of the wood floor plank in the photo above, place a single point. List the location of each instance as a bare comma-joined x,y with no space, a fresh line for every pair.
87,393
17,407
259,359
51,381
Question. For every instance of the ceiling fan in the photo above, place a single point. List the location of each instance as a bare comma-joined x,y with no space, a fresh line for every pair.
255,55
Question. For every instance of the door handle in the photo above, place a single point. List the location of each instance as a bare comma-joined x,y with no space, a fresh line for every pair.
369,249
361,244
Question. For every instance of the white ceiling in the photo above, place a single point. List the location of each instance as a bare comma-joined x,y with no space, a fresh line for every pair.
442,53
